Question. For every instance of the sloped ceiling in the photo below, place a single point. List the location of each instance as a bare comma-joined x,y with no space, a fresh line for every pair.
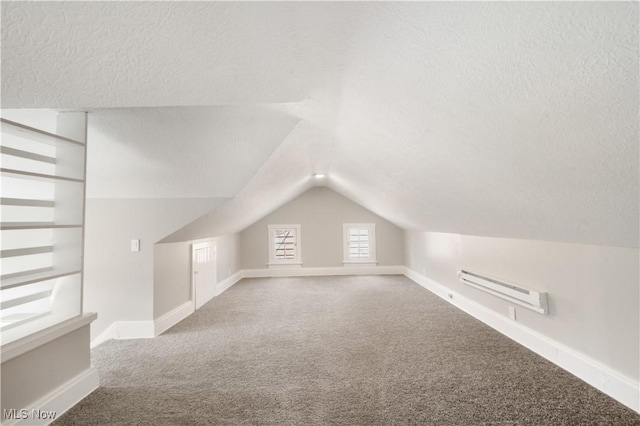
175,152
500,119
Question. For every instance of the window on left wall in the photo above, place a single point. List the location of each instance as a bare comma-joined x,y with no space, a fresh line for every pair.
284,245
42,205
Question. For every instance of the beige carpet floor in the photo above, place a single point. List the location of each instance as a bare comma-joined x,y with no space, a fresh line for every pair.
336,351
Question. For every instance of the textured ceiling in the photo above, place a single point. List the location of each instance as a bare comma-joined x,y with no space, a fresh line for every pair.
138,54
174,152
502,119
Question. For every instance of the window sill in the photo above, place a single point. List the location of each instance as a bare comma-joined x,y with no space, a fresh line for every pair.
360,262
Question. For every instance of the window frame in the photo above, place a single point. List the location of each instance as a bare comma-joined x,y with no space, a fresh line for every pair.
347,259
273,261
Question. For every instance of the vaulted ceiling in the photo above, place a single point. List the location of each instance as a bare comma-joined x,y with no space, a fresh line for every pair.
500,119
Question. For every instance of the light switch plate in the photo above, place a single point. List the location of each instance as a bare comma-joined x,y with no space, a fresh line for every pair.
135,245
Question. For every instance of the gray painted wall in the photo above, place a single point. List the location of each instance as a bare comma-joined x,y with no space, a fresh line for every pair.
118,283
593,290
171,277
172,271
321,213
229,255
29,377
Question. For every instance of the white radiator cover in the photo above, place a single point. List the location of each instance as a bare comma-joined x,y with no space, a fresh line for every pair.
530,299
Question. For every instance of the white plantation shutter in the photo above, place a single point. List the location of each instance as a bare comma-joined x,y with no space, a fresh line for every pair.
359,243
284,244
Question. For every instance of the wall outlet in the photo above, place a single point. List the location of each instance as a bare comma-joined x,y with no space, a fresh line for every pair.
512,313
135,245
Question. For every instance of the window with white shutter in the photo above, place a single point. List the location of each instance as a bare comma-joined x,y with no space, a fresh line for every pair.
284,245
359,243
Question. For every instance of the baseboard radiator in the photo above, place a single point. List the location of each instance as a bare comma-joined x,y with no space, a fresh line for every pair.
534,300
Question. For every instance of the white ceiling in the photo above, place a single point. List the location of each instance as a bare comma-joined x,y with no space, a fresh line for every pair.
175,152
501,119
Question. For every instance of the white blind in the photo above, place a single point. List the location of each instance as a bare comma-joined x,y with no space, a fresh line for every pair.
41,203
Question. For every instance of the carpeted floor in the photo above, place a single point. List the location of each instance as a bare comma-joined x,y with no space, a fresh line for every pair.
334,350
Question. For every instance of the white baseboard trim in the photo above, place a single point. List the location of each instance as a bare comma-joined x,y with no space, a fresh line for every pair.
126,330
173,317
108,334
179,313
225,284
146,329
135,329
58,401
598,375
326,271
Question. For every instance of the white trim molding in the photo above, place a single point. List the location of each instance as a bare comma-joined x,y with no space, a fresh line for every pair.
59,400
172,317
616,385
225,284
148,329
126,330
